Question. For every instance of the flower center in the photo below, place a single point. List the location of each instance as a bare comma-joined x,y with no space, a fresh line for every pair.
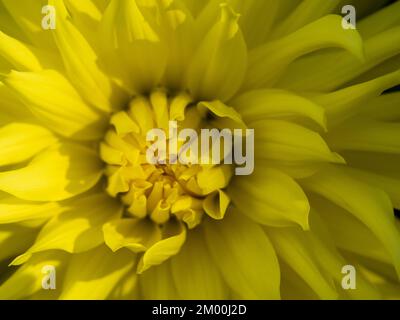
175,187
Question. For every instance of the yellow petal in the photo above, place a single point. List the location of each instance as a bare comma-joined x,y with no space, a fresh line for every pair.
384,164
15,239
12,110
365,202
178,29
218,66
216,204
288,142
366,135
18,54
385,179
28,278
377,169
380,20
212,179
317,72
28,15
277,104
123,123
21,141
195,275
332,263
58,173
343,104
349,233
306,12
86,16
194,6
268,62
292,247
178,107
9,25
174,236
270,197
56,103
127,288
92,275
141,111
136,235
223,111
384,107
293,287
132,50
254,21
159,102
76,230
14,210
157,283
251,274
80,61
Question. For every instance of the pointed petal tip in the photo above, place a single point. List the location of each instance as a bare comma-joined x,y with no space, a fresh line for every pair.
21,259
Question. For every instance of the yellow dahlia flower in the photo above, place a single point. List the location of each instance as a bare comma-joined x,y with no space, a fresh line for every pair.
77,197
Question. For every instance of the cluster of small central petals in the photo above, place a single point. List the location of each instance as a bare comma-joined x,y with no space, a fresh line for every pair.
167,190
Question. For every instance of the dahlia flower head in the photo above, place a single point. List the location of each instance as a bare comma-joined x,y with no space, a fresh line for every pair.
77,195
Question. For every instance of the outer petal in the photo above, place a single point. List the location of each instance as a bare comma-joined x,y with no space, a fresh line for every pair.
18,54
135,235
270,197
58,173
348,233
28,15
346,103
174,236
195,276
157,283
257,19
14,210
318,73
284,141
251,273
380,20
126,289
218,66
366,135
132,48
94,274
56,103
80,61
278,104
15,239
268,62
377,169
27,280
78,229
332,263
12,109
20,141
365,202
306,12
292,247
384,107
